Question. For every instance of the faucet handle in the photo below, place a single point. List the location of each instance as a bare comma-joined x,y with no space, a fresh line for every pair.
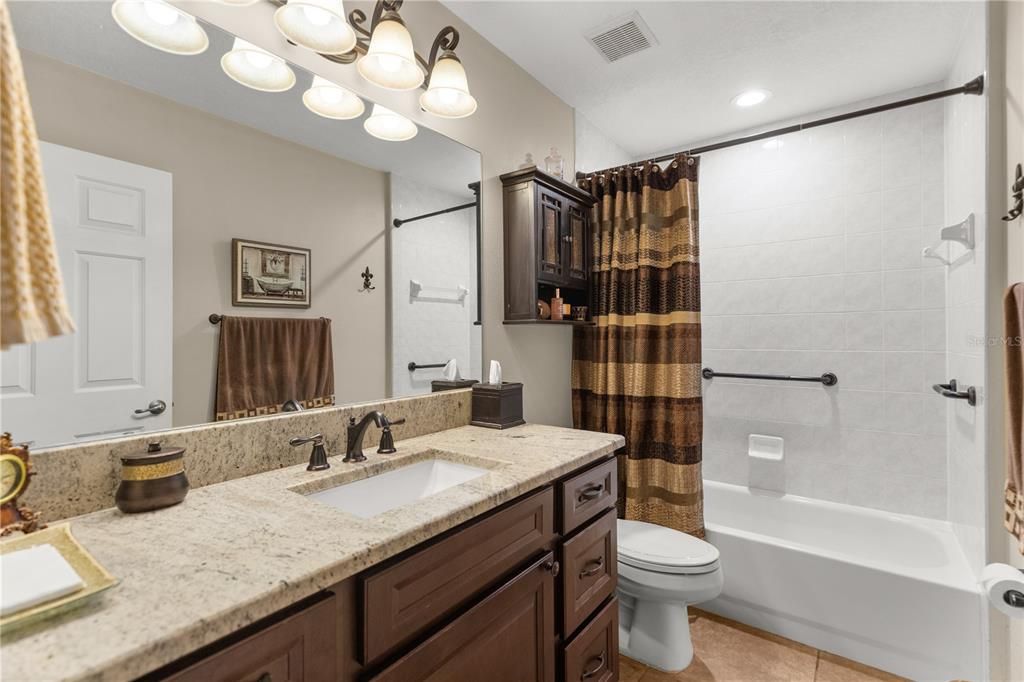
315,439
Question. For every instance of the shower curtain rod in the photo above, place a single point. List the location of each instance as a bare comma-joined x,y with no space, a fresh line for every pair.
972,87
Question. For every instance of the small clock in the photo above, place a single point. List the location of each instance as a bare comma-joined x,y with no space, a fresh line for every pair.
13,477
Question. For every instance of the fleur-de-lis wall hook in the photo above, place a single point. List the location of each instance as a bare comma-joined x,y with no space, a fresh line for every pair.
1017,190
367,277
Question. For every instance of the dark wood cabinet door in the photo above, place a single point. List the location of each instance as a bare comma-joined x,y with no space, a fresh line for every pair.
593,654
508,637
550,234
589,570
403,600
300,648
575,239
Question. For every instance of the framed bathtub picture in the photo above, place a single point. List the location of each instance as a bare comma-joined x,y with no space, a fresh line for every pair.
269,275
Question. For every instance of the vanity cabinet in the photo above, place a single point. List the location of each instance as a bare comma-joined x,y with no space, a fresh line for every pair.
523,593
547,233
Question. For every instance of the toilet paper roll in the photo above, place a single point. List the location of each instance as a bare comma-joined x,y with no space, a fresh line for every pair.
998,579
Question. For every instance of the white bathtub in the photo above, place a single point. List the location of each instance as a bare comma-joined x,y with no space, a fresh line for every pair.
888,590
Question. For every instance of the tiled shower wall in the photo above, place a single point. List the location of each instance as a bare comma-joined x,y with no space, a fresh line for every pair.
439,253
811,262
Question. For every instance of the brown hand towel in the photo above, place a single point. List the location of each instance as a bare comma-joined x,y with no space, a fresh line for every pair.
264,362
1013,307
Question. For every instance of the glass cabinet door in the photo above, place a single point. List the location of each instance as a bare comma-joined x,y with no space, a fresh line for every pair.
550,252
576,243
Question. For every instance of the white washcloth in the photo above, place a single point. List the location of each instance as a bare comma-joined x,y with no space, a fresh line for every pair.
34,576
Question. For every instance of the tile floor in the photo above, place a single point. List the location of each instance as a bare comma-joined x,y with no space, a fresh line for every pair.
727,651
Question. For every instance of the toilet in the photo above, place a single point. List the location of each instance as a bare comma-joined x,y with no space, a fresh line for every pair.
661,572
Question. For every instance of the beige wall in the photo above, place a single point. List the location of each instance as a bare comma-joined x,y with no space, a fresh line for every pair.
1007,26
234,181
516,115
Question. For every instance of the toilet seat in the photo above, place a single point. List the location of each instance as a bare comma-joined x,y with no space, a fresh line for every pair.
649,547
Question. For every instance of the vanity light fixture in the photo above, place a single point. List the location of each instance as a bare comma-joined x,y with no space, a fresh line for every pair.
385,124
329,100
751,98
318,25
256,68
390,60
447,92
159,25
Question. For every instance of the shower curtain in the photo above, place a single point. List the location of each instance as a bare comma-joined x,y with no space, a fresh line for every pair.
636,372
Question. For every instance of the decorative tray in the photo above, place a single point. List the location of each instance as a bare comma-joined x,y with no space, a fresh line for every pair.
95,577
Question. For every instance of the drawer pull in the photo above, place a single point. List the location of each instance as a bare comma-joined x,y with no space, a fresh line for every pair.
552,566
593,666
591,492
592,567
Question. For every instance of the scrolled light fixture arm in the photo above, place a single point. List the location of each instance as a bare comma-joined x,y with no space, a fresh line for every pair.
447,39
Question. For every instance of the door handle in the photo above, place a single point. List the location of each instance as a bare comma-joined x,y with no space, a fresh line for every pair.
154,408
951,390
590,493
592,567
593,667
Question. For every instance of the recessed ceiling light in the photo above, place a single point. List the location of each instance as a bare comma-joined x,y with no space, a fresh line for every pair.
751,98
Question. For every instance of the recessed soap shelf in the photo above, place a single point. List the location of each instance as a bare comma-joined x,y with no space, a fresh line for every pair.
961,233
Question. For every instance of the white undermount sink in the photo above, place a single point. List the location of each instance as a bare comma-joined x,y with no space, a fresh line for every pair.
375,495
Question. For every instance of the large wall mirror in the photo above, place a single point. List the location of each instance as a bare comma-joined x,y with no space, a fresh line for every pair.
179,194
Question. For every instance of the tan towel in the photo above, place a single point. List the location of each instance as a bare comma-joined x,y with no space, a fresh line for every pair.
1013,307
264,362
32,305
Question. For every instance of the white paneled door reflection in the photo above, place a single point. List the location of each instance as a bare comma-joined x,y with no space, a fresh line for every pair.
112,222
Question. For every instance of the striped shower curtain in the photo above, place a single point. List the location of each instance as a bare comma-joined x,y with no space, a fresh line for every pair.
636,372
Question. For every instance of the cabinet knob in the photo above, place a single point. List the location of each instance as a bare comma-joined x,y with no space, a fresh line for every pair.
552,566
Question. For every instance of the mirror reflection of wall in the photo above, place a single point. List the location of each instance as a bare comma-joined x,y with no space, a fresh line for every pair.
433,270
154,164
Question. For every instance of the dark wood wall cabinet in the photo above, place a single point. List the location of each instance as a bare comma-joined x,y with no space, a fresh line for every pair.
547,238
524,593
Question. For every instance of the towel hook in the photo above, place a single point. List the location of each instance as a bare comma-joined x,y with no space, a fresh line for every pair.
1017,194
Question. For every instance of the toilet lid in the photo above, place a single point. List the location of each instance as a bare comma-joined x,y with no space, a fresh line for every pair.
665,550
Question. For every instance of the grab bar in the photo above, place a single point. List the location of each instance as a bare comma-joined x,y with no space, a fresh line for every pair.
951,391
413,366
826,379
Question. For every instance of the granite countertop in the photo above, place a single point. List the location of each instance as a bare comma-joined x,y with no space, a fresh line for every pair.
238,551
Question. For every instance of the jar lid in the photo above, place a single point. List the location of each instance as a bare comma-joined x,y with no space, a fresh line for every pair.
155,454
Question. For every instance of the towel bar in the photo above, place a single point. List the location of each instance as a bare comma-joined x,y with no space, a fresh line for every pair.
413,366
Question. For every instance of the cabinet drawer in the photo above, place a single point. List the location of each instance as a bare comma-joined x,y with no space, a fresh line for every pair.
589,570
403,600
593,655
508,637
586,495
300,648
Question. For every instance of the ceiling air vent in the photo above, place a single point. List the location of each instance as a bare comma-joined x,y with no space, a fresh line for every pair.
622,37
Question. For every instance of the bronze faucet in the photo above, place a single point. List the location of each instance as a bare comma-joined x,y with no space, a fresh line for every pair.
317,458
356,431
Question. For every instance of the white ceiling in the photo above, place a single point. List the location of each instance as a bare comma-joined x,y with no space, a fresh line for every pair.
83,34
811,55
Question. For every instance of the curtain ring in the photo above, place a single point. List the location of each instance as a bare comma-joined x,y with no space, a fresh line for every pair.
689,160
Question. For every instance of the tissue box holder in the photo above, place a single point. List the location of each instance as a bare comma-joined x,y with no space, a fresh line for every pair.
497,406
438,385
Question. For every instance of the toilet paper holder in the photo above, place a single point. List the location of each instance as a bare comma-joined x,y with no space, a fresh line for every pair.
1014,598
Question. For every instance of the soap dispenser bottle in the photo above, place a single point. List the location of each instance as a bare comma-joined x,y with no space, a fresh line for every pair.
556,305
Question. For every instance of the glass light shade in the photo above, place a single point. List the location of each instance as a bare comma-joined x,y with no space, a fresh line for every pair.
256,68
319,25
385,124
326,99
159,25
238,3
390,60
447,94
